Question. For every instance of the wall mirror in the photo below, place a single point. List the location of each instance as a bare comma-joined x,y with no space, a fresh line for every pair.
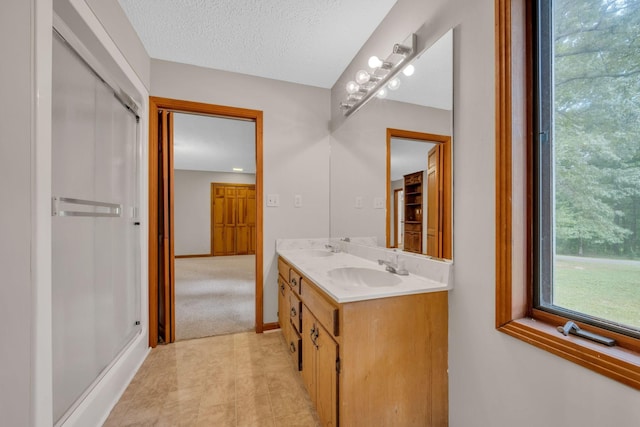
391,162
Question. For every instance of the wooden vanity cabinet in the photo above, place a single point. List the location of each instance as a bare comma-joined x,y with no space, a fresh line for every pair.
379,362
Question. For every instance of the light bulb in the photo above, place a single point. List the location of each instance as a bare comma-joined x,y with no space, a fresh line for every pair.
409,70
374,62
352,87
394,83
362,77
382,93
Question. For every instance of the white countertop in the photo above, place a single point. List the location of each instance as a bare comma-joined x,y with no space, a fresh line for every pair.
317,268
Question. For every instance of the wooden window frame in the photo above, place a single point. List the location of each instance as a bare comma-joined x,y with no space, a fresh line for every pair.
515,314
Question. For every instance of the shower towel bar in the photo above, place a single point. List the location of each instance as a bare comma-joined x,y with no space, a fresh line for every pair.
113,209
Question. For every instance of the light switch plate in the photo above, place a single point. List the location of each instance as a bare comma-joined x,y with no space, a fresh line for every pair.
297,201
273,200
358,203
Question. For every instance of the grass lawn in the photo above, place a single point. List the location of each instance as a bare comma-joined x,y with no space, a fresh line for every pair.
610,291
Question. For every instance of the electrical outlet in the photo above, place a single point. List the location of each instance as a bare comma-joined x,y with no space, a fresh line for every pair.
273,200
297,201
358,202
378,203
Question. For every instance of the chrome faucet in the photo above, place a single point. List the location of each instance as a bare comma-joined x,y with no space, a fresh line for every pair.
332,248
394,267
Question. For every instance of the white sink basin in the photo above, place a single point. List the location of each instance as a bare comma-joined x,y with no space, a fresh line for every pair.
358,276
316,253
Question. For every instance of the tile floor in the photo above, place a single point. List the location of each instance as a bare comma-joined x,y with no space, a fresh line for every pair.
244,379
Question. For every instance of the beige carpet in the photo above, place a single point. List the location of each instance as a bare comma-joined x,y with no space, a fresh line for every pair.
214,296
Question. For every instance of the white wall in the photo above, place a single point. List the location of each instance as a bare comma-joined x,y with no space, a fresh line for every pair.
495,380
295,148
16,313
192,208
25,217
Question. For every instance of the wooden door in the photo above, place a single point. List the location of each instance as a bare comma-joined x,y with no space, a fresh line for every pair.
217,220
165,250
250,218
230,220
233,219
434,202
242,228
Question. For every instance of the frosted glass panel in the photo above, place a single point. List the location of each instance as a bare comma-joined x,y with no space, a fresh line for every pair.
96,291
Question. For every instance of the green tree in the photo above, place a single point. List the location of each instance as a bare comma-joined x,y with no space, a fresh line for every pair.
596,138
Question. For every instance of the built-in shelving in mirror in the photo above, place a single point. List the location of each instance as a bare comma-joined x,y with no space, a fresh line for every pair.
410,132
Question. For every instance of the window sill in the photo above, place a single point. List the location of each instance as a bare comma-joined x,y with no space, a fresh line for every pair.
618,363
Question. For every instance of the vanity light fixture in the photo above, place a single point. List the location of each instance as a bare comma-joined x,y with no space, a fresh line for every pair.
383,75
238,169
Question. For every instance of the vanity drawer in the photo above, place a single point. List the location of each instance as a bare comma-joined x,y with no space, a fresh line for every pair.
294,280
283,269
295,311
294,345
322,309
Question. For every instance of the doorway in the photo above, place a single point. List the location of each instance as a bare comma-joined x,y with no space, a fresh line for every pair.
425,160
162,273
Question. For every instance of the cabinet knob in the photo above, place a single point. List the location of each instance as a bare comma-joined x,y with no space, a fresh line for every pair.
282,288
294,281
292,347
294,313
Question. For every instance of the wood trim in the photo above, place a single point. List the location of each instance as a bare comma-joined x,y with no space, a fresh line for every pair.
193,256
270,326
155,104
172,240
515,315
447,211
396,201
503,162
153,226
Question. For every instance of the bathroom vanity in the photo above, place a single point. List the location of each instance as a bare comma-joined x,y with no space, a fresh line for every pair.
371,346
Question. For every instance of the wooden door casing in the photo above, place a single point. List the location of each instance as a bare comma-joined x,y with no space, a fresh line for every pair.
157,104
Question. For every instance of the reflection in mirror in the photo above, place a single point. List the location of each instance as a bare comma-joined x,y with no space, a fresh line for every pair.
418,194
370,141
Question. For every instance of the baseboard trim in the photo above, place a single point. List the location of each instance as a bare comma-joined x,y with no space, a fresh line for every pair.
270,326
194,256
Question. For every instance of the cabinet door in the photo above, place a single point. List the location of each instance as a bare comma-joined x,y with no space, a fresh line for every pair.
319,374
283,305
327,378
308,353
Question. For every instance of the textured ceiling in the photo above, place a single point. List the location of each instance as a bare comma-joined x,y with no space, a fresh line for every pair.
300,41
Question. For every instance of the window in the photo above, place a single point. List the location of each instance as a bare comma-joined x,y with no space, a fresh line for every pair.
587,162
568,178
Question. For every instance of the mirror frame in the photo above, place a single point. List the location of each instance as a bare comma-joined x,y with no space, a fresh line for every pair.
445,226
